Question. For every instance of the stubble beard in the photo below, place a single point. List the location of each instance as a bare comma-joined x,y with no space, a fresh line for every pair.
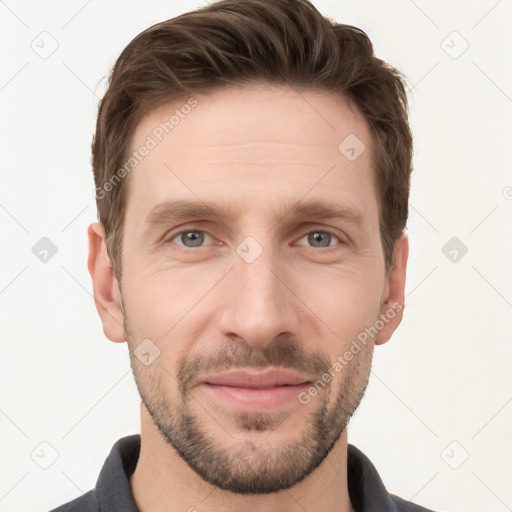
251,466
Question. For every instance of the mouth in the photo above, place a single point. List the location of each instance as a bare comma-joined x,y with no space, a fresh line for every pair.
255,391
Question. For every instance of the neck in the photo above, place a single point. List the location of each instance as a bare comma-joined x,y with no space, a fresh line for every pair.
162,481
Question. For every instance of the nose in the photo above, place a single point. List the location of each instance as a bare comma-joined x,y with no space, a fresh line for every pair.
258,304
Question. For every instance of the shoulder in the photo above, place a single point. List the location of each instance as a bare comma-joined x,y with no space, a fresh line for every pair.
85,503
406,506
367,490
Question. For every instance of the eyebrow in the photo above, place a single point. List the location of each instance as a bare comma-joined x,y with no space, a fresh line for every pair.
175,210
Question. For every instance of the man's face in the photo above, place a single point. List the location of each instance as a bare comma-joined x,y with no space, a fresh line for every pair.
267,283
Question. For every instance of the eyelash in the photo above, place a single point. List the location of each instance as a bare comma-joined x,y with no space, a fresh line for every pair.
323,231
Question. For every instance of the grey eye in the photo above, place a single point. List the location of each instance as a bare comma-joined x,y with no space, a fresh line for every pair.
320,238
190,238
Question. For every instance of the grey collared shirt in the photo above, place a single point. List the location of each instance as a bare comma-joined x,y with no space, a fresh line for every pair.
113,494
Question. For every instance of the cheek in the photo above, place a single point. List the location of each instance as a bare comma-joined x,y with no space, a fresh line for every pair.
346,303
170,308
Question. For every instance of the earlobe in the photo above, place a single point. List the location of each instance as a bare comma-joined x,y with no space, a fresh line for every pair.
394,299
105,286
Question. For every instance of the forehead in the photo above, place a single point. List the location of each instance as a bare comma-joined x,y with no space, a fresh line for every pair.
244,144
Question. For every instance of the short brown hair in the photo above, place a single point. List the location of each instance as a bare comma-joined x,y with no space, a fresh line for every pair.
237,42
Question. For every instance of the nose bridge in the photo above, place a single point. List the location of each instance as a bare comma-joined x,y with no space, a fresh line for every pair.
258,308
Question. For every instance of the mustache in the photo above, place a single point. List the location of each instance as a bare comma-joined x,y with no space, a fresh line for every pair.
280,352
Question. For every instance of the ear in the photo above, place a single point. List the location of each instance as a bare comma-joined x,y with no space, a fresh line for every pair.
393,299
107,295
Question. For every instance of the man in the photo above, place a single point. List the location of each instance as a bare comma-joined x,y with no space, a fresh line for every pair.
252,162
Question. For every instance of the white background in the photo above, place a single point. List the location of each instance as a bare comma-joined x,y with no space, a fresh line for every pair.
445,376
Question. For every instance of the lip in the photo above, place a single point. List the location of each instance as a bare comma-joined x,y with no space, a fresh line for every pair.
259,380
255,391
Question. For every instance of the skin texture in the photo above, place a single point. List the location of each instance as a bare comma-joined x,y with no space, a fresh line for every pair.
254,152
